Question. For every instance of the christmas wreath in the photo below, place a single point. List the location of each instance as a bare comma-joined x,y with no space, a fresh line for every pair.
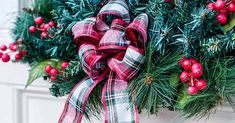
124,57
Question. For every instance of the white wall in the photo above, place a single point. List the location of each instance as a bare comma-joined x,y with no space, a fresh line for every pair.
36,105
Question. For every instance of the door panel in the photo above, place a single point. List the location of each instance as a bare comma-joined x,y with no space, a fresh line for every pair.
36,105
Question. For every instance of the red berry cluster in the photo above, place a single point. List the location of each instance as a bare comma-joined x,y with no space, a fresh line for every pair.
193,70
53,72
41,26
13,47
223,9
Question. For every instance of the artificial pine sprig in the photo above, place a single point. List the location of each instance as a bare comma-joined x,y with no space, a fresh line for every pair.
62,88
211,47
153,88
186,41
228,40
202,23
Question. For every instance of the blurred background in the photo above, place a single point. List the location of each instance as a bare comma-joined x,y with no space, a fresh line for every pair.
36,105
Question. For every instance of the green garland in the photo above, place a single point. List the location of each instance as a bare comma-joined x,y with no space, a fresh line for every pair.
181,28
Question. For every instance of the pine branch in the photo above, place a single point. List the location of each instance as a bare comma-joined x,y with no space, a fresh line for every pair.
228,40
187,42
154,87
211,47
203,23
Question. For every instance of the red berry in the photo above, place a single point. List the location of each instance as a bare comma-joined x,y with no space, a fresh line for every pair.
197,66
194,61
219,4
64,65
187,64
196,73
5,58
224,11
201,84
184,76
3,47
11,45
18,57
53,78
44,35
211,6
222,19
46,27
51,24
1,54
32,29
48,69
192,90
231,7
54,72
14,48
38,20
182,60
42,27
23,53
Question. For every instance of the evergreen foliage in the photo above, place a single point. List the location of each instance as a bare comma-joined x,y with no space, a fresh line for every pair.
181,28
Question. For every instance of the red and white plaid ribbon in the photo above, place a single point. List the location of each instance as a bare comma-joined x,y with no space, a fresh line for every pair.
111,54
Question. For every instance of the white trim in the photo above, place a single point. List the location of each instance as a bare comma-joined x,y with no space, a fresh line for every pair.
21,98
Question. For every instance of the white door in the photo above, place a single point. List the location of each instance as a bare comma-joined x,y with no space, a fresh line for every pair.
36,105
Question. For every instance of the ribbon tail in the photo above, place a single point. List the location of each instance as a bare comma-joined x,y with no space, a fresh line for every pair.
117,102
74,108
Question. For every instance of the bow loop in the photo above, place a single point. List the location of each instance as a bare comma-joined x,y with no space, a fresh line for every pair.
92,62
136,31
130,66
118,24
113,40
114,8
85,32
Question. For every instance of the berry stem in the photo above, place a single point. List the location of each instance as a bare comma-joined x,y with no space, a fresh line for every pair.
192,81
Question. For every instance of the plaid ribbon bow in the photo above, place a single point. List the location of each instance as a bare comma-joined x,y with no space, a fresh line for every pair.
113,54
